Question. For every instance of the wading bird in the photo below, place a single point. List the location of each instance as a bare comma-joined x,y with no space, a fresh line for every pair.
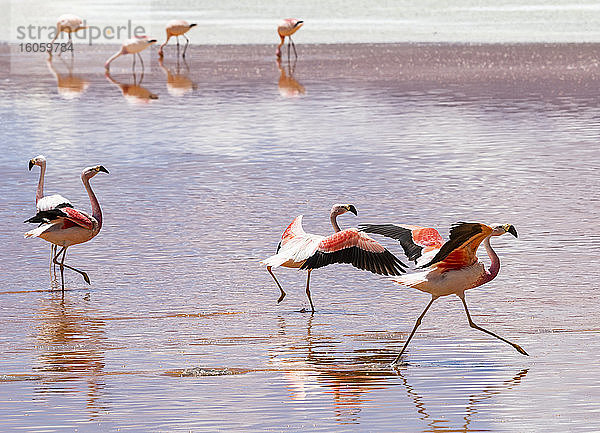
288,27
66,226
49,202
68,23
298,249
132,46
177,28
451,268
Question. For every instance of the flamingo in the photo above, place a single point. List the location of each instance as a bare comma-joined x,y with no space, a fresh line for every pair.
288,27
68,23
298,249
49,202
452,267
177,28
66,226
132,46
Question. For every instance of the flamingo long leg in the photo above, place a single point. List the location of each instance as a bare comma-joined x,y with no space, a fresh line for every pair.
312,307
293,46
141,60
395,361
473,325
62,266
278,285
187,42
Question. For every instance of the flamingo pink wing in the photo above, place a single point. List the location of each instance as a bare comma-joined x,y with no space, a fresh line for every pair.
78,218
354,247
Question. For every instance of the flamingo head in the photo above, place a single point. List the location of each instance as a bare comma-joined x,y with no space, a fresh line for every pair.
38,160
90,172
499,230
339,209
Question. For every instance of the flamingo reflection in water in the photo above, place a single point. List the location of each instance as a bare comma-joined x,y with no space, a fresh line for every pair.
133,93
298,249
451,268
178,82
69,86
288,86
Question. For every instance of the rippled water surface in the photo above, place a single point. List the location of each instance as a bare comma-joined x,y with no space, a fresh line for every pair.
180,329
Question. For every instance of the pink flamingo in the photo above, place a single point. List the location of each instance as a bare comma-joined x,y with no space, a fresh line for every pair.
288,27
66,226
177,28
68,23
49,202
452,267
298,249
132,46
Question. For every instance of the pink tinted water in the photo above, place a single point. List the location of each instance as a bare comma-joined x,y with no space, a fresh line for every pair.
180,329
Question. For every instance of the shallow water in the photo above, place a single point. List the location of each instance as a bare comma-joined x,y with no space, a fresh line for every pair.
180,329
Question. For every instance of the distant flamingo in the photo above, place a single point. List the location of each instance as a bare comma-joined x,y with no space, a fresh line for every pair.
288,27
132,46
49,202
68,23
67,226
177,28
452,267
298,249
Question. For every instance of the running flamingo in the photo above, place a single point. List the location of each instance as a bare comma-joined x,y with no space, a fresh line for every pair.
298,249
288,27
132,46
177,28
68,23
452,267
49,202
67,226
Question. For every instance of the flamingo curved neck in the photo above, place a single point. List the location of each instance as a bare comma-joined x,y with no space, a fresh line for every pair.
333,218
40,188
96,211
495,265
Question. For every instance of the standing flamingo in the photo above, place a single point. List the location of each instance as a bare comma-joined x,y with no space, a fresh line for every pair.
298,249
67,226
452,267
132,46
68,23
288,27
49,202
177,28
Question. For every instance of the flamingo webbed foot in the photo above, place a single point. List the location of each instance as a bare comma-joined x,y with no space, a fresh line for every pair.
281,297
520,349
86,278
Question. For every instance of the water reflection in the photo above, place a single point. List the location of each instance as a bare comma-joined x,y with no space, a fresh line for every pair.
69,86
288,86
134,93
314,365
70,344
178,82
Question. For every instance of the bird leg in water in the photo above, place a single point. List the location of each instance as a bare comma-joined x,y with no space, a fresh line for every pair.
312,307
293,46
141,60
278,285
395,361
62,266
187,42
473,325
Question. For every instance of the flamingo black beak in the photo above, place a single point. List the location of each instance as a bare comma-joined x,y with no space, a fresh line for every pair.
193,25
151,41
298,23
352,209
31,164
512,230
102,169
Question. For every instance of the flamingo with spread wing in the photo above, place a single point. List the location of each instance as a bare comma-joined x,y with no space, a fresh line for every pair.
298,249
66,226
451,267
